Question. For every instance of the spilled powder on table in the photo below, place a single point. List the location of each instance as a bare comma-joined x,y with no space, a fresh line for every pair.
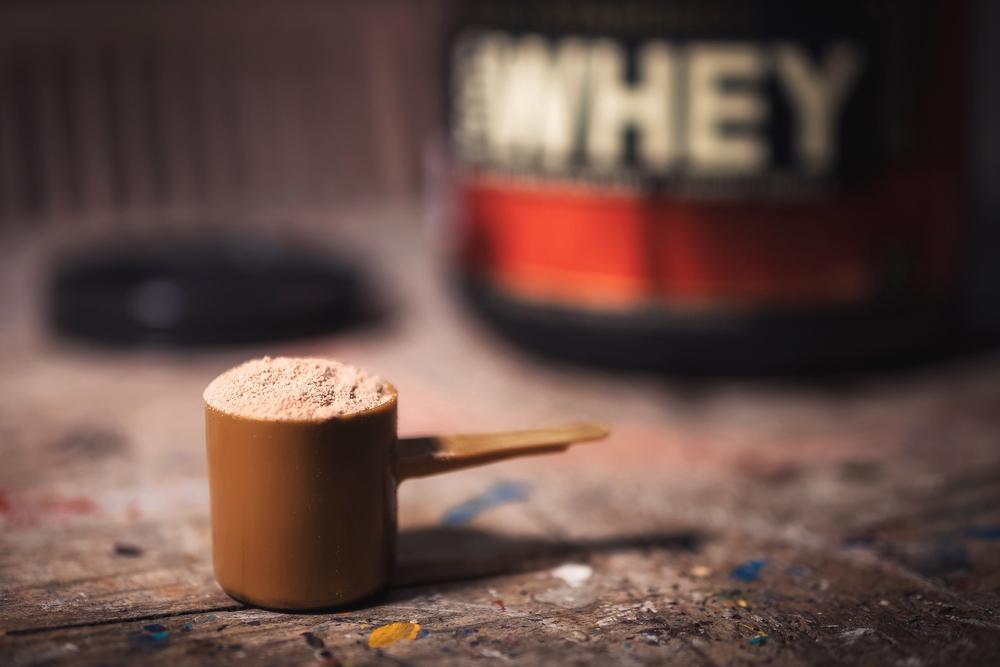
296,389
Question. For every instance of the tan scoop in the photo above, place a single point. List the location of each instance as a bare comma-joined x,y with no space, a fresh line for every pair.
304,512
420,457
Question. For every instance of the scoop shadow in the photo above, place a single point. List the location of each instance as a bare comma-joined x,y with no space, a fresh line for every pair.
451,555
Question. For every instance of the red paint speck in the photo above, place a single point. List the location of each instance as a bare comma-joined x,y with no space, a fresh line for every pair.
29,511
77,505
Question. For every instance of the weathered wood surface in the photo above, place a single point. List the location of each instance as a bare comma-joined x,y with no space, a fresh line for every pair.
873,504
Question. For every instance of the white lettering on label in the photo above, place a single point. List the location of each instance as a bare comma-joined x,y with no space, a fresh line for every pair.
644,105
531,97
712,106
528,101
819,94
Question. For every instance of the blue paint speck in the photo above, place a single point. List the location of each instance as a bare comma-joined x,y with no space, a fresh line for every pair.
983,533
748,571
423,633
153,635
500,493
948,555
759,640
859,542
797,571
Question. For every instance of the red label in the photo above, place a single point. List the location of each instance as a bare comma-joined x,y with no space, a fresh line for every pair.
580,246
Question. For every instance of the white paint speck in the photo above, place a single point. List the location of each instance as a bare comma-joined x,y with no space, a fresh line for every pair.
493,653
851,636
574,574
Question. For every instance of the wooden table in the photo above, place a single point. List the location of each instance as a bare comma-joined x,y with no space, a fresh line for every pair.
844,521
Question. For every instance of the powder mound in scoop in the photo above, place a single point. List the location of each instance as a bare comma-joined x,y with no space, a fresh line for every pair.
296,389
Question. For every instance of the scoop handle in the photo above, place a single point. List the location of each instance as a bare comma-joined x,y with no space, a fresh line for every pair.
420,457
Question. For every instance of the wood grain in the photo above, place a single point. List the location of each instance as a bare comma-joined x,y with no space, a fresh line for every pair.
869,502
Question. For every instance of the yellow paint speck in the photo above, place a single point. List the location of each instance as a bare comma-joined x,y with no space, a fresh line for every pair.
700,571
392,633
741,602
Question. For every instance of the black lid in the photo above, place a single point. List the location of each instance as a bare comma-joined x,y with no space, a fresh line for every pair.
199,292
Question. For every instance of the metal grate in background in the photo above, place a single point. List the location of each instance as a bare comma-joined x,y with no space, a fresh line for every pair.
131,112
